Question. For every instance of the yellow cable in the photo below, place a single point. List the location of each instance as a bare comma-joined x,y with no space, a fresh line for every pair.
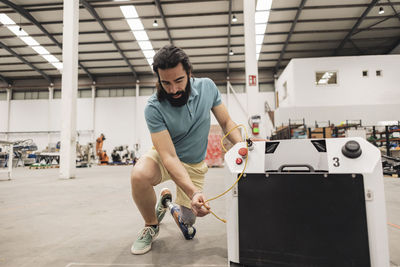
241,174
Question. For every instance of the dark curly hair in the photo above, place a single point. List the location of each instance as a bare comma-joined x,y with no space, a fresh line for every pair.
168,57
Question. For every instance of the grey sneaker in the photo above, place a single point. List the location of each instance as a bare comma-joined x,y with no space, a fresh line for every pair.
144,240
161,207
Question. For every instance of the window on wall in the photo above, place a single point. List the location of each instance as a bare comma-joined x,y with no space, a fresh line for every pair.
284,93
365,73
146,91
30,95
115,92
266,87
379,73
325,77
85,93
56,94
3,96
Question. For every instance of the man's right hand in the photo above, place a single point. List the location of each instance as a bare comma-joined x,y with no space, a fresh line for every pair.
199,207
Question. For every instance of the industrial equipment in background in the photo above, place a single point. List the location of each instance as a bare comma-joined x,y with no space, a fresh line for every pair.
85,155
101,154
24,153
121,155
307,202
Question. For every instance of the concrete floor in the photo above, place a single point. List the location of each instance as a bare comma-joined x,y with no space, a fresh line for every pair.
92,221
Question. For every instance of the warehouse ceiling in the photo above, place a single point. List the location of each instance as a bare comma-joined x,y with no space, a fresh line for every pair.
204,29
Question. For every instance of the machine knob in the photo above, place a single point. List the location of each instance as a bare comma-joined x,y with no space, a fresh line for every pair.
352,149
239,161
243,152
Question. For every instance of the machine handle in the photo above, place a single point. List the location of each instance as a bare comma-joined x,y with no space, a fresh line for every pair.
309,167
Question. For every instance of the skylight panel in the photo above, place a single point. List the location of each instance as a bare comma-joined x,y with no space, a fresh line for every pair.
261,19
29,40
129,12
4,19
136,25
141,35
24,36
17,30
40,50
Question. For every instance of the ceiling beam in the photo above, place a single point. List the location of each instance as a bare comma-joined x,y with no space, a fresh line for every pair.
9,50
6,80
108,3
356,47
369,28
359,21
397,43
218,14
303,2
20,10
395,11
93,12
160,10
229,37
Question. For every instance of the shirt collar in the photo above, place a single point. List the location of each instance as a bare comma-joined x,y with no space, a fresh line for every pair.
193,91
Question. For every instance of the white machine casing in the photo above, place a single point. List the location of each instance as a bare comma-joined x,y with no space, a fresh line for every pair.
300,152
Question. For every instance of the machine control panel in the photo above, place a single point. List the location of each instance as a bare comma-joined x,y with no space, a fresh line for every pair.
352,149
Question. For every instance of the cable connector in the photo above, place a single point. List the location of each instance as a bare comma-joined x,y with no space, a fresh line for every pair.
250,145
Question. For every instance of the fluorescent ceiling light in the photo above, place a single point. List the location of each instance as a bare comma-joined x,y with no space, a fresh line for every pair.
40,50
135,24
141,36
4,19
129,12
51,58
17,30
145,45
29,40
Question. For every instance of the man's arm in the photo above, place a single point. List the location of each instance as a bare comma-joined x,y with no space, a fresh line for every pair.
163,143
226,123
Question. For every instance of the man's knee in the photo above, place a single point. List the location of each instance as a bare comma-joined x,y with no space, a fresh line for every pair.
144,176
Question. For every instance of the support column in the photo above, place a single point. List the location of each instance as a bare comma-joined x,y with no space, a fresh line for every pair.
69,89
93,112
49,128
249,7
137,139
9,94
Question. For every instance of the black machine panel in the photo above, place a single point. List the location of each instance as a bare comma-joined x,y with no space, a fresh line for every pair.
303,219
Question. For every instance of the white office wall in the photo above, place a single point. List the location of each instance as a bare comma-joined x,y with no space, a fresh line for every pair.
286,96
3,116
115,117
370,99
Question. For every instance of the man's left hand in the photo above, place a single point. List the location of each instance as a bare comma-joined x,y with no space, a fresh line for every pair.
200,208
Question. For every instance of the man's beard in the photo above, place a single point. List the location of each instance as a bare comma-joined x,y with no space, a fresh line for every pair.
176,102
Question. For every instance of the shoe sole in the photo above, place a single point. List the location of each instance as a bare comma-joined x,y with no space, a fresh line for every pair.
146,249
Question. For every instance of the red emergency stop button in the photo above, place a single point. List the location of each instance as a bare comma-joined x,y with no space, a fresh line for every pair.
243,152
239,161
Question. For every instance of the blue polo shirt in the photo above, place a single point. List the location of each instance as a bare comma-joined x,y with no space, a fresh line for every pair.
189,124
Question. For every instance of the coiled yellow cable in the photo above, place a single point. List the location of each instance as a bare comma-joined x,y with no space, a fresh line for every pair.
241,174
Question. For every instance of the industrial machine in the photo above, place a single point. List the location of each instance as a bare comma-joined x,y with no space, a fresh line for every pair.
307,203
102,155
